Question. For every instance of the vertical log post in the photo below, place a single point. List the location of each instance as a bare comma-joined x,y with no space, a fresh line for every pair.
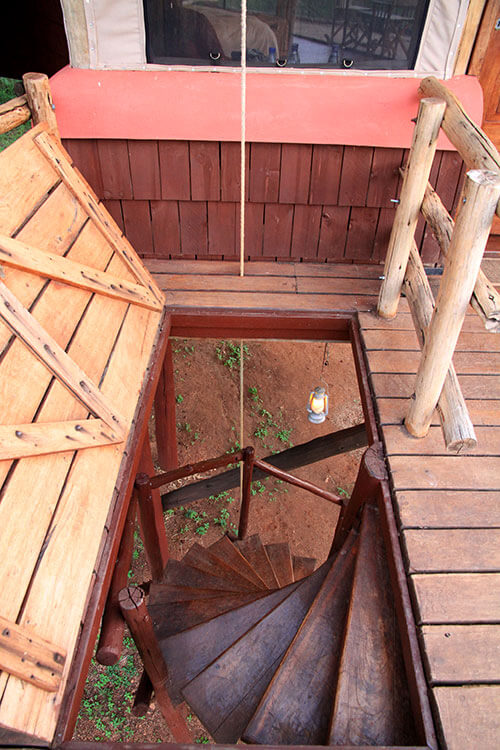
248,460
165,424
40,101
137,617
150,515
370,473
481,194
143,695
113,625
458,429
423,148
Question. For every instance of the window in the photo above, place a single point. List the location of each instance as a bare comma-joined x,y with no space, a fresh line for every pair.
362,34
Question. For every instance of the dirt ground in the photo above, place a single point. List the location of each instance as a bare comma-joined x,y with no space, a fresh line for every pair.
278,377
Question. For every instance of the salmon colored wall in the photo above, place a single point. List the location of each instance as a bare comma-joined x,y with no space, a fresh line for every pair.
281,108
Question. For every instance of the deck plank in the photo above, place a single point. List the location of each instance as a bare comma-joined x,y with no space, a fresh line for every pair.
460,598
399,442
445,472
461,654
453,509
483,412
452,550
471,712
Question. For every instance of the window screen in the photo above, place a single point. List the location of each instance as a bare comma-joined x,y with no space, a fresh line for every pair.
362,34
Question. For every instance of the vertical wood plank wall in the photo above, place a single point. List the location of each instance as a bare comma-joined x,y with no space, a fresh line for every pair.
179,199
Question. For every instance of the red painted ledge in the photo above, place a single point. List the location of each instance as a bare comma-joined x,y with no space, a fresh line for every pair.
204,106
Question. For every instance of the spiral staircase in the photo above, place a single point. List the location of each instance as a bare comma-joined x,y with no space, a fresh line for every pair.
274,649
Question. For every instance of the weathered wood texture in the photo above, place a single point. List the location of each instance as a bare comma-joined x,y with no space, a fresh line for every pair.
449,516
71,500
316,203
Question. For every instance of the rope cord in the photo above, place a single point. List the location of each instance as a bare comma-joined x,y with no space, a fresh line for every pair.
243,131
242,200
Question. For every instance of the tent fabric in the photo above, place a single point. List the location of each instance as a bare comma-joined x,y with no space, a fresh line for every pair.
116,34
441,36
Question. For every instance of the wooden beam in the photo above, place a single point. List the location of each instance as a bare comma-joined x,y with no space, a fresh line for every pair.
333,444
473,145
423,148
27,258
164,406
485,299
481,193
59,159
458,429
40,438
29,657
284,476
48,351
468,38
40,102
134,610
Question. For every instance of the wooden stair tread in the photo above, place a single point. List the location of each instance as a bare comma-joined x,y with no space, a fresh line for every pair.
226,551
190,651
173,617
296,707
281,561
254,551
164,593
221,694
179,573
302,566
371,702
203,559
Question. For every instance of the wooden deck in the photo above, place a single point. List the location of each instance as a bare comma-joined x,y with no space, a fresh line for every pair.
447,506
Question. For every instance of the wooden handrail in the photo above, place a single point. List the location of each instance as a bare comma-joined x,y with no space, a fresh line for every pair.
485,299
458,429
473,145
423,148
13,113
189,469
481,194
302,483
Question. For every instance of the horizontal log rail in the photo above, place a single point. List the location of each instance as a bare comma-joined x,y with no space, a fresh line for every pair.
485,299
198,468
297,482
473,145
325,446
13,113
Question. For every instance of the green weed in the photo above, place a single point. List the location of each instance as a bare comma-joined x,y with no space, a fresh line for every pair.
179,399
229,353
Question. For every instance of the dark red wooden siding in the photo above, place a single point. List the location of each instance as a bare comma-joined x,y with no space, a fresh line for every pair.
179,199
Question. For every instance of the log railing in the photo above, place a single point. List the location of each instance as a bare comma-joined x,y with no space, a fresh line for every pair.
35,104
438,323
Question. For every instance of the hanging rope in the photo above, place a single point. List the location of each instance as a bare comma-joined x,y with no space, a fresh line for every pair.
242,199
243,131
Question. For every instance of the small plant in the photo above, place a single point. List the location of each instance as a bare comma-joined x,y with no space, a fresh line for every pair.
342,492
203,740
284,435
202,529
253,393
229,353
222,519
179,399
